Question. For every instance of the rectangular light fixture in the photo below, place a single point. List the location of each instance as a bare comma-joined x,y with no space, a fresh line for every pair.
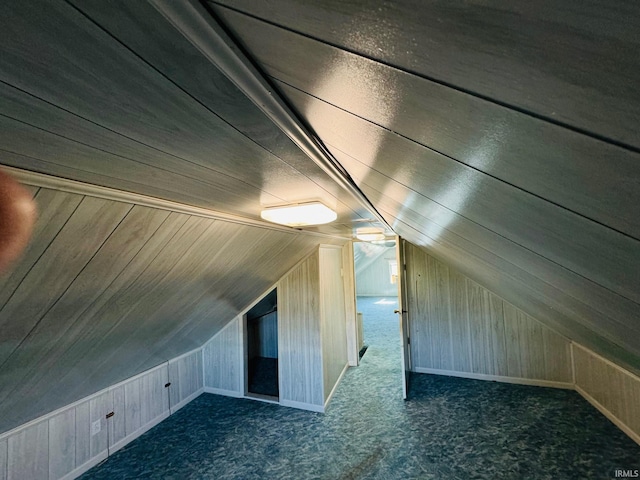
299,215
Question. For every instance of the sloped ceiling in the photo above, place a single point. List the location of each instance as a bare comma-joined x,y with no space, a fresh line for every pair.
109,289
502,137
499,136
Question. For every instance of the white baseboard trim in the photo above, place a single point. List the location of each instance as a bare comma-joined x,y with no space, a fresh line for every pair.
132,436
615,420
302,406
221,391
86,466
497,378
333,390
183,402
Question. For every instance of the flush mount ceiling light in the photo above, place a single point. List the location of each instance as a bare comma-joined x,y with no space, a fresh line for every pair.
299,215
370,234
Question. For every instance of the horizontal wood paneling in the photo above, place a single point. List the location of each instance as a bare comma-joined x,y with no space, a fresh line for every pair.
224,359
612,389
541,158
458,326
144,30
490,49
299,335
147,134
527,220
333,323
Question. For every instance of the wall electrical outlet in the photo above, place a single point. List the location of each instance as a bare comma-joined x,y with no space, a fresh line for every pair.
95,427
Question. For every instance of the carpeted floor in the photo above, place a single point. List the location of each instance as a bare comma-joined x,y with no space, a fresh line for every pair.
449,428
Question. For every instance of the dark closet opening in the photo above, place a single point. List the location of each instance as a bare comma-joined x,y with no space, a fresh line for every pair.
262,347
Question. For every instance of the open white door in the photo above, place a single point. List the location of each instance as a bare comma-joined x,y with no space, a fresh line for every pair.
403,315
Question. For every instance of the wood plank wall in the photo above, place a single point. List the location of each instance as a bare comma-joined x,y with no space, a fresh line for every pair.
299,336
223,359
61,445
459,327
348,277
614,391
333,318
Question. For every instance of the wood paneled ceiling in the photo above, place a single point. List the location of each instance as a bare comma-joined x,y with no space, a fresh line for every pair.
501,137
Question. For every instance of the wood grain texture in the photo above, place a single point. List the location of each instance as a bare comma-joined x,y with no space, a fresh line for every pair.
525,219
539,157
62,444
299,334
99,407
333,322
493,50
223,359
28,453
582,309
457,325
185,375
63,261
144,30
615,389
83,433
3,459
54,210
348,276
145,108
117,423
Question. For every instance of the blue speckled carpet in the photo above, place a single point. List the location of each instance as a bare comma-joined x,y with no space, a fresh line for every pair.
449,428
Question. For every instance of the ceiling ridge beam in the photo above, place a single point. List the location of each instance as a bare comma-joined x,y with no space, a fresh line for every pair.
206,34
81,188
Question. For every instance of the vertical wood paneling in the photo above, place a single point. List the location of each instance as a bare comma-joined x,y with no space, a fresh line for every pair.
98,408
117,423
185,375
300,362
28,453
459,326
459,310
3,459
614,389
223,359
418,293
62,443
332,317
348,277
83,433
132,412
498,342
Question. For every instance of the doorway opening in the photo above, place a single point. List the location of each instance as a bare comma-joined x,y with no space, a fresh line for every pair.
261,327
376,272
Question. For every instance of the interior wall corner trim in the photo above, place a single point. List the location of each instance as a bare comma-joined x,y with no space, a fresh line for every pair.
73,186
